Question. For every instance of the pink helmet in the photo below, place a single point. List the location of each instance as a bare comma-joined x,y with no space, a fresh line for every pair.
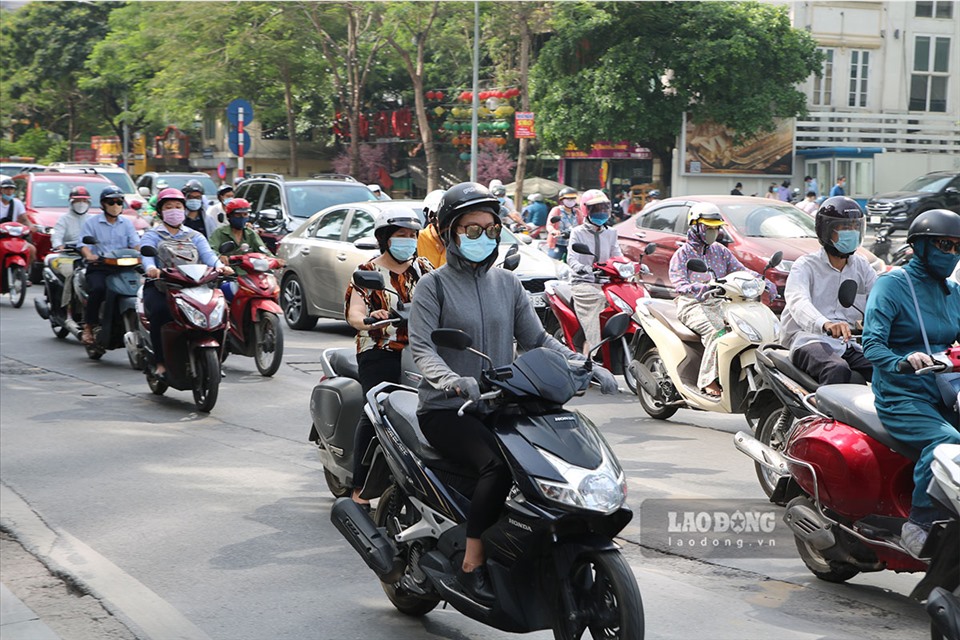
170,194
590,198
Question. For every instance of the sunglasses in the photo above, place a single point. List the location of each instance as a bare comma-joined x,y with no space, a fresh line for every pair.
947,246
473,231
113,202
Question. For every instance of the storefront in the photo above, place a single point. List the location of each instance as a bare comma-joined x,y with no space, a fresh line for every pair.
615,166
826,164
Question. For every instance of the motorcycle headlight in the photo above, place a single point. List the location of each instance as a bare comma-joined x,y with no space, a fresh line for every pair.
216,316
751,288
194,315
626,270
621,303
564,272
744,328
603,489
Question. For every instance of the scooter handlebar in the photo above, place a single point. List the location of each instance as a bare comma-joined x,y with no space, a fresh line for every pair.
490,395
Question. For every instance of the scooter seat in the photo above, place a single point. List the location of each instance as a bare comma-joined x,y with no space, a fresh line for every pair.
565,293
666,312
781,360
400,408
852,404
344,362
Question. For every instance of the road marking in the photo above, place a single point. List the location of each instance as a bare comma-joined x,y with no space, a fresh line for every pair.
147,614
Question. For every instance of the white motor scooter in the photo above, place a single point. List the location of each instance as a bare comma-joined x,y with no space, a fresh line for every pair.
667,354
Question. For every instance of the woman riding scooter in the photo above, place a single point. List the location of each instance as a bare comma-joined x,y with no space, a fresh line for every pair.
379,347
695,308
911,313
492,305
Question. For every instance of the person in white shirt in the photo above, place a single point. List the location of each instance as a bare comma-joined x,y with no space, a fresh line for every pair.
809,204
66,233
816,327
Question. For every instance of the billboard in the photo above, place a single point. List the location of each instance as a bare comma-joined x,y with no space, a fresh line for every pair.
708,149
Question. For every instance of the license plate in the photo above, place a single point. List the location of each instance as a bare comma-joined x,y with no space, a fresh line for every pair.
875,219
537,300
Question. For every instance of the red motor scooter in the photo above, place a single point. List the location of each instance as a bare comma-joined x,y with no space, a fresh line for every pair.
847,486
622,288
192,341
13,261
255,313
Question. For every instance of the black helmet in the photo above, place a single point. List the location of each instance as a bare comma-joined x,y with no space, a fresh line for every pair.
7,183
567,191
111,192
838,211
933,224
222,189
192,186
462,198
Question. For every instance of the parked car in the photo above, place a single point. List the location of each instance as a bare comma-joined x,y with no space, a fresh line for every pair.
897,209
115,173
278,206
321,255
16,168
756,229
46,196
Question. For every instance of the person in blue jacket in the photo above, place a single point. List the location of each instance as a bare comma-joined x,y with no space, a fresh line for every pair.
911,406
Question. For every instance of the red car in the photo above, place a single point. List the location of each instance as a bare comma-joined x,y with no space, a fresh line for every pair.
756,229
46,197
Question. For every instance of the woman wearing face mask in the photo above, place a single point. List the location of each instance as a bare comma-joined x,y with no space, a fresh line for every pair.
493,308
175,244
703,314
379,347
569,214
588,297
197,218
911,313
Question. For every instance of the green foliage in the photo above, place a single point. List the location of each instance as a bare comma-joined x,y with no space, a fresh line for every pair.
37,143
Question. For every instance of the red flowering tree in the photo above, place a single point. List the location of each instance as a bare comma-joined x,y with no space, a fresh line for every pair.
493,163
373,158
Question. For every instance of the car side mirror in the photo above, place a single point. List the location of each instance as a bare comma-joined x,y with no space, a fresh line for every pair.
952,190
270,215
366,244
144,191
451,339
370,280
847,294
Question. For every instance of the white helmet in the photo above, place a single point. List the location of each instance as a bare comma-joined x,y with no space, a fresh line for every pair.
535,197
431,204
497,189
391,219
705,213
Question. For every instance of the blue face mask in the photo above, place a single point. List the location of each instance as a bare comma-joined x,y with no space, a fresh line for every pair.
847,241
940,264
194,204
477,250
402,249
238,222
599,219
7,197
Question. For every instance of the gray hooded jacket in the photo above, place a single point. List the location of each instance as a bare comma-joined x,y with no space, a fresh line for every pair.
487,303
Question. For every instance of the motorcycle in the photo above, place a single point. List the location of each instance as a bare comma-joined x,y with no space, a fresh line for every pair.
666,354
68,320
13,262
882,245
943,606
622,289
846,484
255,314
551,556
192,341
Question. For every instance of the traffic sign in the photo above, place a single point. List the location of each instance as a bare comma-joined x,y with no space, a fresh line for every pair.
222,170
233,111
234,147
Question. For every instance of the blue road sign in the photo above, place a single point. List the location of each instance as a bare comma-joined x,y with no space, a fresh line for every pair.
232,141
233,112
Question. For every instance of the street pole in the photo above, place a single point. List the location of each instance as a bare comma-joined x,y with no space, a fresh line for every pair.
126,138
240,169
476,88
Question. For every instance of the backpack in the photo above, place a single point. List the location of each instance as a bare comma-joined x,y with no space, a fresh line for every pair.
172,251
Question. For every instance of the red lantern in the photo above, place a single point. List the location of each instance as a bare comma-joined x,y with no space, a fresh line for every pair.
429,95
513,93
484,95
438,95
466,96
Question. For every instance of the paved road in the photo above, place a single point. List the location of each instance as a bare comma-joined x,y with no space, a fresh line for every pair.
216,526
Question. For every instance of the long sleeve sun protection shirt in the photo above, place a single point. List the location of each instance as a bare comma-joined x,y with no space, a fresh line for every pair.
490,305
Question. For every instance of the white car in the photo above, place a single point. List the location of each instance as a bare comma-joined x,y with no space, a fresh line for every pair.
113,172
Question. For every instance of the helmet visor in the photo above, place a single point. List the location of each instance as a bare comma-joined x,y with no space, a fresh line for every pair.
837,230
710,222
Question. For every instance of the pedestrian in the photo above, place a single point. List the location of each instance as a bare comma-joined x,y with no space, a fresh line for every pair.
772,192
625,202
810,184
809,204
736,191
838,188
783,193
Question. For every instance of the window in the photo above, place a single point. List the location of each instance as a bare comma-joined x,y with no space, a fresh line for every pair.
928,83
252,196
823,83
669,219
209,127
271,198
330,225
939,9
859,71
361,226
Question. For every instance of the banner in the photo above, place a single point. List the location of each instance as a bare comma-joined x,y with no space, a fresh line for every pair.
709,149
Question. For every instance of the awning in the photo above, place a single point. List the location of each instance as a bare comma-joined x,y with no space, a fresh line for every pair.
842,152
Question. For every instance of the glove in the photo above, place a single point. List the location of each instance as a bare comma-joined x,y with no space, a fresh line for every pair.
919,360
608,384
468,388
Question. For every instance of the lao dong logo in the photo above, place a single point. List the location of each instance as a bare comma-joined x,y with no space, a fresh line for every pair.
738,522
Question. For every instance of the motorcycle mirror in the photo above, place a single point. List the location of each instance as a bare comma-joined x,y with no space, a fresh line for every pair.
451,339
514,249
148,251
616,326
650,248
144,191
775,259
220,217
372,280
227,246
89,240
581,248
555,219
511,262
697,265
366,244
848,293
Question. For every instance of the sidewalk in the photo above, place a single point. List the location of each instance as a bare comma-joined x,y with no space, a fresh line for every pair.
18,622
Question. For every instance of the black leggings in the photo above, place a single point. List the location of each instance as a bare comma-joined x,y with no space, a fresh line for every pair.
468,441
96,285
155,304
375,366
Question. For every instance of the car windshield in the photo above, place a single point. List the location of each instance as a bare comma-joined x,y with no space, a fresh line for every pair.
121,179
928,184
769,220
55,193
507,237
306,199
177,182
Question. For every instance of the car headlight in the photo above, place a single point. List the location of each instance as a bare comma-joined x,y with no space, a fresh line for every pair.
621,303
626,270
603,489
743,327
194,315
216,316
751,288
564,272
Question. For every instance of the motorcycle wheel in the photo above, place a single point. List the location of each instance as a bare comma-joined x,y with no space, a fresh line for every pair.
134,356
17,285
392,508
59,330
628,377
157,386
268,350
827,570
773,424
337,488
606,599
650,360
206,379
294,304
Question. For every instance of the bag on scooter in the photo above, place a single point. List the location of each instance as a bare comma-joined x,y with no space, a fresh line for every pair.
172,252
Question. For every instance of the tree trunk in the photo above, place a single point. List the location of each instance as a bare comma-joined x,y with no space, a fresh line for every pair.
426,134
294,166
521,173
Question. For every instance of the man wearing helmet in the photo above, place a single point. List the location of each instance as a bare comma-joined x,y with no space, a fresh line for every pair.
492,306
112,231
653,197
816,327
66,233
379,348
238,231
429,243
535,213
197,218
218,211
561,220
912,313
12,210
508,209
588,297
702,313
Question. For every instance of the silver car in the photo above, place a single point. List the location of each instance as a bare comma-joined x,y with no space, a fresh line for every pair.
322,254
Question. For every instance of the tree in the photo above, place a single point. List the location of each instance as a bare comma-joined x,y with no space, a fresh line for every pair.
629,70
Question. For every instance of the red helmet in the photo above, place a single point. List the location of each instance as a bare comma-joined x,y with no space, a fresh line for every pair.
170,194
237,204
79,193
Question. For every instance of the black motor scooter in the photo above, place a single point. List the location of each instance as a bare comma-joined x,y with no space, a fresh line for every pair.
551,557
